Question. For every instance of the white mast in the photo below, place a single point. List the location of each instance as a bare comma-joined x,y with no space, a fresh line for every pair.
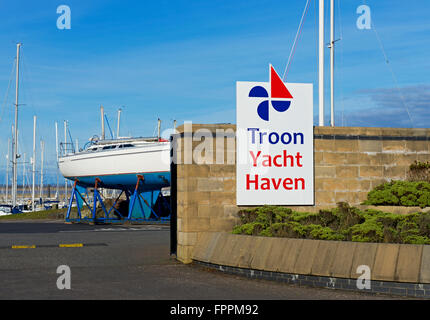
321,63
65,138
332,62
7,169
33,162
56,150
159,128
117,126
23,176
15,141
103,122
65,152
42,150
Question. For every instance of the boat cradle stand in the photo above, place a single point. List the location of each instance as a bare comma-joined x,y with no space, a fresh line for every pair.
147,206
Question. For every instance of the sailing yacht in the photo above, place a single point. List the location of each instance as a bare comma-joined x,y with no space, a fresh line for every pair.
116,163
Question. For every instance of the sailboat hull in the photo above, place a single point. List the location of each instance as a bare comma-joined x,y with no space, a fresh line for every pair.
119,168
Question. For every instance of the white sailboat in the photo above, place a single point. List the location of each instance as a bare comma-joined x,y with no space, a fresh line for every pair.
117,163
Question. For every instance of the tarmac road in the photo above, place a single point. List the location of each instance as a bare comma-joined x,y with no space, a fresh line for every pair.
123,262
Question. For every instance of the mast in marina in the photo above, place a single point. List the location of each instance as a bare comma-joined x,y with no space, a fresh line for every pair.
23,177
65,153
7,170
15,140
56,150
331,46
42,150
33,161
118,122
321,63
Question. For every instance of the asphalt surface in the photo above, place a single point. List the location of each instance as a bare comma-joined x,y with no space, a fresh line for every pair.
123,262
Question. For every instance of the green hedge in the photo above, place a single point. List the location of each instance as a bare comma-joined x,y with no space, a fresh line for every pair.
343,223
400,193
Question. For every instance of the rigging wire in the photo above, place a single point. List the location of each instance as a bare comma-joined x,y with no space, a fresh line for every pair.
155,130
27,79
107,122
24,80
294,46
71,140
7,91
316,36
402,98
393,75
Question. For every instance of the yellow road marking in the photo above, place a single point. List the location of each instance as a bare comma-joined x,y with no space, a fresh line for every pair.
24,247
71,245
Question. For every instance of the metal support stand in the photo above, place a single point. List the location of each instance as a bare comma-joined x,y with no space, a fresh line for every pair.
142,206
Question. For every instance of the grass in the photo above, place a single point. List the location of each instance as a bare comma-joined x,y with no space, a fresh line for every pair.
45,214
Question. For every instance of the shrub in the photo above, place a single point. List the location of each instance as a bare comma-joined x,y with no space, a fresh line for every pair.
419,171
400,193
342,223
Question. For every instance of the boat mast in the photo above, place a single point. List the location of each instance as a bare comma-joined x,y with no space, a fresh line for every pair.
158,129
332,62
23,176
65,153
119,119
103,122
33,162
7,169
42,147
56,150
321,63
15,140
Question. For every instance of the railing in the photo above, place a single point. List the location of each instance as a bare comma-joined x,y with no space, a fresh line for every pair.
67,148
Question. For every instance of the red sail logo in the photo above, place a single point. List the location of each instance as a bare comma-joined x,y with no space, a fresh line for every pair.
280,97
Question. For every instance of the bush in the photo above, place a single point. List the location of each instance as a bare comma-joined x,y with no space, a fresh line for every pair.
400,193
343,223
419,171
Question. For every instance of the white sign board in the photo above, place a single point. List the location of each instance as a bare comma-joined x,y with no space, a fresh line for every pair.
275,164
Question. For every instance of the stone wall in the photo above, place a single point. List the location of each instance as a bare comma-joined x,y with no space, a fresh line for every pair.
349,162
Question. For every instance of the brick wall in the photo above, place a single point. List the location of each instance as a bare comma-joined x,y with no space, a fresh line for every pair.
349,162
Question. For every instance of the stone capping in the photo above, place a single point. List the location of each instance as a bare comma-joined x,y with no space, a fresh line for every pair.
333,137
399,263
362,137
334,133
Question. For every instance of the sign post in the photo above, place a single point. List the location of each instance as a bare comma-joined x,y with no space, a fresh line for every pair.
274,148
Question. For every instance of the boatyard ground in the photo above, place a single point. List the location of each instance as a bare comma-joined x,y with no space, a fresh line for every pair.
122,262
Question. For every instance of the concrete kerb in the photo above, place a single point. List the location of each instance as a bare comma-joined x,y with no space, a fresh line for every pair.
291,252
324,258
425,265
262,251
342,260
385,262
405,270
395,263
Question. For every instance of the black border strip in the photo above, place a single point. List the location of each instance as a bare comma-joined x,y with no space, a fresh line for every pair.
173,195
405,289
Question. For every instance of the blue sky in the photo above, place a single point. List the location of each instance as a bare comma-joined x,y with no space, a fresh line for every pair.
180,60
